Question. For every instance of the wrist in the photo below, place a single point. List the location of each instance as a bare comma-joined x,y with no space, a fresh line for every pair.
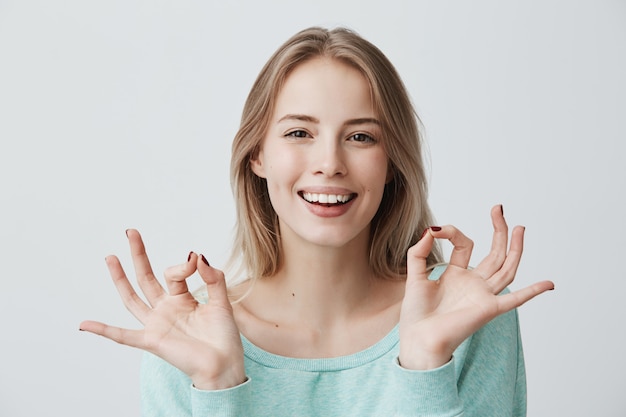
423,361
221,382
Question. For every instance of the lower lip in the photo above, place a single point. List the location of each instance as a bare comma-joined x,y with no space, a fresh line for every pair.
335,210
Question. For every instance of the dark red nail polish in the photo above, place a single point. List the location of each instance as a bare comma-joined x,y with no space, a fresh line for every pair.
424,233
126,232
501,210
189,256
435,228
205,261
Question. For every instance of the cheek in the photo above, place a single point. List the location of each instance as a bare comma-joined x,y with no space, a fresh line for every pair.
281,174
378,169
287,162
374,173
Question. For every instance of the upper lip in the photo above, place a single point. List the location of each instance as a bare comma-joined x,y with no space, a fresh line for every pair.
326,190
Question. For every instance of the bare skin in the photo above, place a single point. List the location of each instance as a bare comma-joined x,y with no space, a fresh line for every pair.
325,300
436,316
201,340
462,300
287,324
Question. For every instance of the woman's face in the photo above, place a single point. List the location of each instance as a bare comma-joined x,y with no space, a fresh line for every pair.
322,157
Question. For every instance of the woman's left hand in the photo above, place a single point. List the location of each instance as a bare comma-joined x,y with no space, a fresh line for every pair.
437,316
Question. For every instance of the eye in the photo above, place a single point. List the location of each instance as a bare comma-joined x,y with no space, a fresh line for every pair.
298,134
362,138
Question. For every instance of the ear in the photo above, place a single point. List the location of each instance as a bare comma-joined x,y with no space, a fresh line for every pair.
256,164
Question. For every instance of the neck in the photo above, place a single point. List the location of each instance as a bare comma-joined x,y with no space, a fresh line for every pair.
318,286
323,302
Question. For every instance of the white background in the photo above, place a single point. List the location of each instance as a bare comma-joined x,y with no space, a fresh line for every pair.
117,114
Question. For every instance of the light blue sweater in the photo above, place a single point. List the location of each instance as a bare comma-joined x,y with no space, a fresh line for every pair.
485,378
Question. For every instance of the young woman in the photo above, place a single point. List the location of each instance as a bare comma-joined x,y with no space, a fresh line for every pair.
345,306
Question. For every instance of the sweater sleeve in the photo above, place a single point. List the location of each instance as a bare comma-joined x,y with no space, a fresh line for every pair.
491,376
167,391
431,393
486,377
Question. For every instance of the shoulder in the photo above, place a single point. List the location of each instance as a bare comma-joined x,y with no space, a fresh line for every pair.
163,387
493,353
154,368
503,330
490,369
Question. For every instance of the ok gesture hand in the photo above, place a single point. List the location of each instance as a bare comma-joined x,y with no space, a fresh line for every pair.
437,316
201,340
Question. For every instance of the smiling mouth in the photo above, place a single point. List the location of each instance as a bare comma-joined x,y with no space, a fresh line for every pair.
326,199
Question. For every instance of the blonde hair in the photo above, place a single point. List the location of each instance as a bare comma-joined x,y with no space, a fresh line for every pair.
403,213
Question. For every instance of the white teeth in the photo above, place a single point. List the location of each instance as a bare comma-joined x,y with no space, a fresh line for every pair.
326,198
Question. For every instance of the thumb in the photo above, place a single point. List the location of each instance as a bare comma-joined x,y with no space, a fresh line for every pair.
214,280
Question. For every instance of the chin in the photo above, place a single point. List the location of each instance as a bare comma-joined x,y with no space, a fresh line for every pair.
333,239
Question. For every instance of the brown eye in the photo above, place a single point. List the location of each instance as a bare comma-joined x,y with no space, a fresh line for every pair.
362,138
298,134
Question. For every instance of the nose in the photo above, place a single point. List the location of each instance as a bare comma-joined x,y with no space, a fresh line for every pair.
330,158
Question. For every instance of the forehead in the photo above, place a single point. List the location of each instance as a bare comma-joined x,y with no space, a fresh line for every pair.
325,87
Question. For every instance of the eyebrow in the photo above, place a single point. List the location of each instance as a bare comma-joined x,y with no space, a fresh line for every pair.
311,119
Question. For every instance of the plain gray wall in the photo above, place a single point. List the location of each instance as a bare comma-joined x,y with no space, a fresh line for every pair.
117,114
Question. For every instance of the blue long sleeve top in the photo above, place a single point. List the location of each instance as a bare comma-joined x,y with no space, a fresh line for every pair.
485,378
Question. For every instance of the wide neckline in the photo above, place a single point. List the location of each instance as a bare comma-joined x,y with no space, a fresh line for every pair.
272,360
377,350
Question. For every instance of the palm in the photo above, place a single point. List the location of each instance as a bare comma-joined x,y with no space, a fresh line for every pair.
182,331
458,304
201,340
437,316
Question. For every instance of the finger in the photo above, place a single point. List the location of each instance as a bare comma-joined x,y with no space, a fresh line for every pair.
148,283
176,276
417,255
515,299
127,293
462,251
505,275
133,338
492,262
215,282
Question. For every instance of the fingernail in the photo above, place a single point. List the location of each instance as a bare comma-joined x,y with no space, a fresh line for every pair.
80,330
126,232
424,233
189,256
435,228
501,209
205,261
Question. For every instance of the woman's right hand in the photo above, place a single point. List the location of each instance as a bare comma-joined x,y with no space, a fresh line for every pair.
202,340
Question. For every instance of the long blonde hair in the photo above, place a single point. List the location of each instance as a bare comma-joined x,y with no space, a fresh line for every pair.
403,213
